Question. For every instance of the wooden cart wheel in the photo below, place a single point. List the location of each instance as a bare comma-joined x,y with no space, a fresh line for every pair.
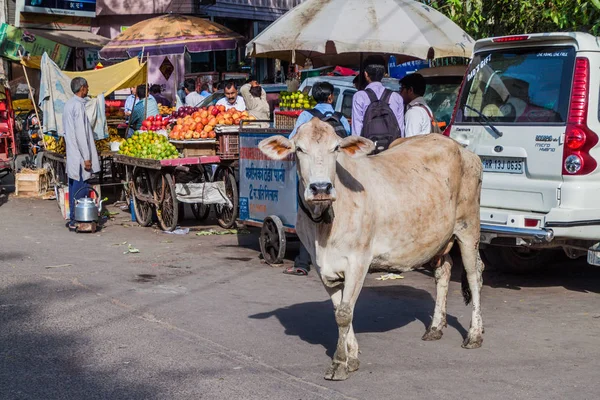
168,205
226,216
272,240
200,210
142,185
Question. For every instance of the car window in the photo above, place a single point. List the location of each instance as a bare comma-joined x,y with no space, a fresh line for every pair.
526,85
212,99
441,98
347,103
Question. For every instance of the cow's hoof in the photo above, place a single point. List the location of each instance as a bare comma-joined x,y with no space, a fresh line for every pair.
337,372
432,334
353,364
472,343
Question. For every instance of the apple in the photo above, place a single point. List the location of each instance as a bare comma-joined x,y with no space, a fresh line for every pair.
212,134
204,135
151,118
204,114
214,111
208,128
196,135
221,108
146,124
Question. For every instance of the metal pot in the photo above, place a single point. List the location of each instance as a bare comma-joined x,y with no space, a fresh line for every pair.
86,209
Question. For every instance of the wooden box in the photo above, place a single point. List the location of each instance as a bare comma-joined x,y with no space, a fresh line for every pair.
32,183
196,148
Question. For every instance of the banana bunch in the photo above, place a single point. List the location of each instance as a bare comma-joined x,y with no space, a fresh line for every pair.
113,135
102,145
164,110
55,145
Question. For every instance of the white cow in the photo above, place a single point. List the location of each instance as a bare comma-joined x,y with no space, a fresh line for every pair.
393,211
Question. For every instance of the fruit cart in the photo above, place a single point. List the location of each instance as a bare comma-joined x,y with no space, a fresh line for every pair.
268,193
160,179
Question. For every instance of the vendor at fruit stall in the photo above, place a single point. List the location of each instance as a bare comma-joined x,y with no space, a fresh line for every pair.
139,111
231,99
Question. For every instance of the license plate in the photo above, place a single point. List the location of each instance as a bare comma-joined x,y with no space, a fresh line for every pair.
503,164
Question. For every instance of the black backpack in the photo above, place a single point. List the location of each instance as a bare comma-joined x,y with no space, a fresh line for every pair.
333,119
380,123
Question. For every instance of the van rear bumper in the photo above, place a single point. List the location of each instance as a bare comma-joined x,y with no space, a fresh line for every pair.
562,224
538,235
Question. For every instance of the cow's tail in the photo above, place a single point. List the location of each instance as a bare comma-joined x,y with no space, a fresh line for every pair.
466,290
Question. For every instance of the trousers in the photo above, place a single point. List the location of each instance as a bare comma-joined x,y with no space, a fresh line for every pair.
74,187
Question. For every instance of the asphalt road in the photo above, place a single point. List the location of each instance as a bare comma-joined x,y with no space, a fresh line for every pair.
201,317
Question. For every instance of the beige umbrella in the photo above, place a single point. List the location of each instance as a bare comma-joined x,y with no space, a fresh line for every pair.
338,31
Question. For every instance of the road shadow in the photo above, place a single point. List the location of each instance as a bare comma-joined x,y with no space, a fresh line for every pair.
379,309
42,361
575,275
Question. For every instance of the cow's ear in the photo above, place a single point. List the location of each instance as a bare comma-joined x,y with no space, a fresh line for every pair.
356,146
277,147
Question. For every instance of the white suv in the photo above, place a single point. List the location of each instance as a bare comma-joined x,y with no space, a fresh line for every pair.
529,107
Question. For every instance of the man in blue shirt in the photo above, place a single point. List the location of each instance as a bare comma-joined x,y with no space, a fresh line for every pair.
322,92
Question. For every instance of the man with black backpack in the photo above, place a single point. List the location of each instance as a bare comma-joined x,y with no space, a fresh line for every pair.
377,112
322,92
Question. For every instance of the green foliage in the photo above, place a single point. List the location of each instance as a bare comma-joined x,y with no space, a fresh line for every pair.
486,18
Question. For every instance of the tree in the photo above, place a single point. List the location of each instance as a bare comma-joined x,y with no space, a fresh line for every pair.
486,18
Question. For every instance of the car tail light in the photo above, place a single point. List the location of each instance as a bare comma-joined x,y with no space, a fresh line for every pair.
579,138
518,38
446,131
531,222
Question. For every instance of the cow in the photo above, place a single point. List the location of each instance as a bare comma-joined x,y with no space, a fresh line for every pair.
400,209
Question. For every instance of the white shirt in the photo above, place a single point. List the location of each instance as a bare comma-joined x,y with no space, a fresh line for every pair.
416,119
239,104
79,140
193,99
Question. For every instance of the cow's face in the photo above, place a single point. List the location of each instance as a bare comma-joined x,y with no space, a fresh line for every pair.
317,149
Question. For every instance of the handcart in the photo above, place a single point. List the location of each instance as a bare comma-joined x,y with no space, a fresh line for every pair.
268,193
153,187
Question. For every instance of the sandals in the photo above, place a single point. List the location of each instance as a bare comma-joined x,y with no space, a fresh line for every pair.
298,271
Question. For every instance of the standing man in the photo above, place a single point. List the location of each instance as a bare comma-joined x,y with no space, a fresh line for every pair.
231,99
130,102
156,92
82,157
192,98
323,94
418,119
140,112
377,112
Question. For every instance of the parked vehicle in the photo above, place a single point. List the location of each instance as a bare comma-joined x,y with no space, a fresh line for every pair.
529,108
443,84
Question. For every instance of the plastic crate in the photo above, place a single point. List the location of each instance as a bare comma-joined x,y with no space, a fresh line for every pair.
229,145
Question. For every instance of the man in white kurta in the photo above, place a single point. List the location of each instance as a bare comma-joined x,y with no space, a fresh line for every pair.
82,157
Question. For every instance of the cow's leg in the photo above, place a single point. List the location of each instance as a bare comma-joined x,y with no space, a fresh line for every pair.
469,248
345,358
442,278
352,343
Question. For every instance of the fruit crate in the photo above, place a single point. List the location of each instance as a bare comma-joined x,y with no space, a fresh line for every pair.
286,119
32,183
